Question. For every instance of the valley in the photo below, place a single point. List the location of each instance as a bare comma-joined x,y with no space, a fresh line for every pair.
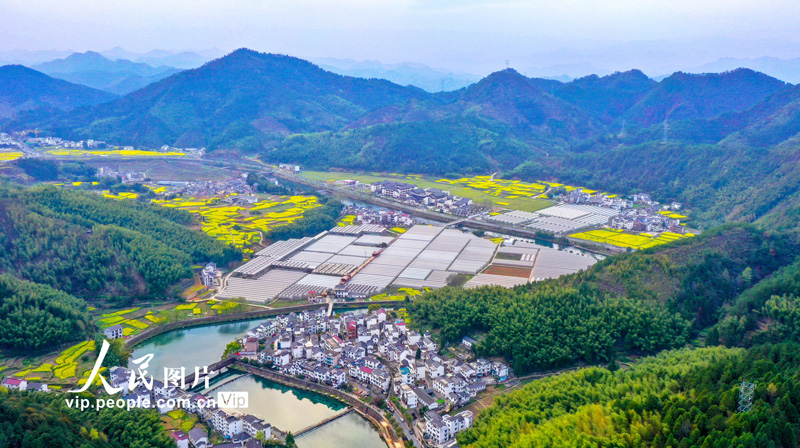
599,261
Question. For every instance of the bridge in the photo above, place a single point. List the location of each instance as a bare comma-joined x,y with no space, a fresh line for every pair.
371,413
225,383
464,219
188,380
322,423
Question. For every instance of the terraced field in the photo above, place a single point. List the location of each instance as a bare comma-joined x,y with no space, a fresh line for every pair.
241,226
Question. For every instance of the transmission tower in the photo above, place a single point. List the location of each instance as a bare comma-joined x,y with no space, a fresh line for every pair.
746,396
508,61
666,130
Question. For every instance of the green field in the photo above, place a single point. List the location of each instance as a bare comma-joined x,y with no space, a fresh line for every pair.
504,200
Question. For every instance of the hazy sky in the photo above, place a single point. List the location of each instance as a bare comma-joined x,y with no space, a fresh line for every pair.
469,35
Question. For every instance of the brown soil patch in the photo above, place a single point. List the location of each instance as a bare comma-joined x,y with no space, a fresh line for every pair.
509,271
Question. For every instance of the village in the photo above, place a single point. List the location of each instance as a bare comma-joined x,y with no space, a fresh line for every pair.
372,354
378,356
32,146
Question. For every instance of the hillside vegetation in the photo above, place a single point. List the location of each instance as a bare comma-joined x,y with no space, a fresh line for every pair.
631,303
34,317
43,420
683,398
23,89
723,143
98,248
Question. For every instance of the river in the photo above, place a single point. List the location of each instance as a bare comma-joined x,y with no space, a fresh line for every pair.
286,408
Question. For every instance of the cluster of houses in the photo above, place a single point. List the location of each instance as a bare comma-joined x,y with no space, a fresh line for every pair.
238,430
443,428
645,199
124,176
237,185
388,218
578,197
198,152
23,385
376,353
431,198
289,167
645,220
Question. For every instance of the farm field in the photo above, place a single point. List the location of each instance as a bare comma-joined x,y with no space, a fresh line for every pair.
621,239
111,152
7,156
72,365
508,271
59,369
176,169
242,226
508,194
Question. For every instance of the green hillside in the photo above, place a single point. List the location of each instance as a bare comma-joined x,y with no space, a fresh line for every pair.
683,398
631,303
98,248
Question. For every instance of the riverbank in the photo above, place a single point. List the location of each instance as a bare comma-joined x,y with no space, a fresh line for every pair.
374,415
152,332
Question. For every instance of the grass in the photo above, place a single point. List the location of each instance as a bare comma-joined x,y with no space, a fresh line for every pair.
481,189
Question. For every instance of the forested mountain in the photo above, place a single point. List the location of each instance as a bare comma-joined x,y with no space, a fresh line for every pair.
94,70
236,101
252,101
606,98
99,248
24,89
725,144
643,301
684,398
685,96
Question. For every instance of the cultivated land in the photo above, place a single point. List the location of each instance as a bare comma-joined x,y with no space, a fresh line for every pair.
243,226
6,156
528,204
71,364
63,152
167,169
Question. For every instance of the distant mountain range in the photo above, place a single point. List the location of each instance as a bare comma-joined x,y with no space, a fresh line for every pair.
784,69
24,89
406,74
94,70
289,109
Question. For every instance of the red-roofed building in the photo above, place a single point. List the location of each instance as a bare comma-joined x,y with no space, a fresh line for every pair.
180,438
352,330
15,383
